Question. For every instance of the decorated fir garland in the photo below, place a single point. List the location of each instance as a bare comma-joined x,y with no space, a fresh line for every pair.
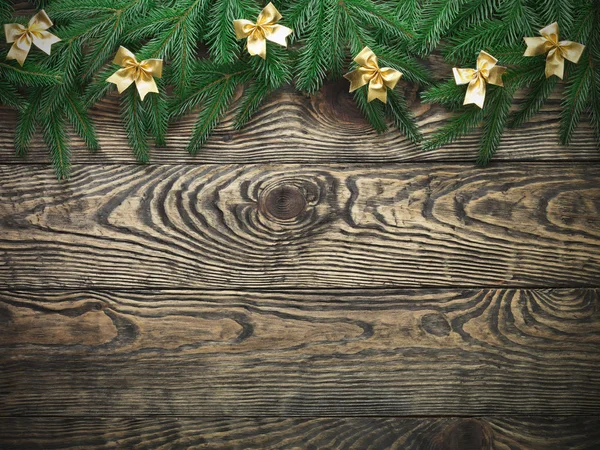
167,58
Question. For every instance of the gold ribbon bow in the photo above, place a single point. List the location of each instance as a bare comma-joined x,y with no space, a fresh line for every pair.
369,72
557,50
142,73
487,72
264,29
22,37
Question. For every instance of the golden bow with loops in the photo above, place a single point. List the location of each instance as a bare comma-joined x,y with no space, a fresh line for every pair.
487,72
369,72
34,33
557,50
140,73
265,29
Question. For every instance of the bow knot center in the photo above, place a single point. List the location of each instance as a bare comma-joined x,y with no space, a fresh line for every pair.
141,70
483,73
260,31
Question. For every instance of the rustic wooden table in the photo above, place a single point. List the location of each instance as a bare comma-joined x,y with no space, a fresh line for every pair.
302,284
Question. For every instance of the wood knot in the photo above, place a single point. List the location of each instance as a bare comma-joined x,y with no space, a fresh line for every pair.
465,434
283,202
436,324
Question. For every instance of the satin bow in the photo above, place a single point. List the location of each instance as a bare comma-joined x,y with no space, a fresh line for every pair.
557,50
140,73
487,72
35,33
369,72
264,29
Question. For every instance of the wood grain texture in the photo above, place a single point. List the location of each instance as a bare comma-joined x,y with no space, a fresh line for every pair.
288,226
327,127
161,433
301,353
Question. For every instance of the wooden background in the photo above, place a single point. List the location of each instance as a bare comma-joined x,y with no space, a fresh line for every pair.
302,284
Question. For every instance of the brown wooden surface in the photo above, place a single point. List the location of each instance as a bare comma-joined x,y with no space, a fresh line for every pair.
334,353
303,283
275,226
324,128
531,433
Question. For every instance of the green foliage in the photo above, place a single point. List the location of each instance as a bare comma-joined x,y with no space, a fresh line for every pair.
208,71
496,115
57,143
499,28
333,31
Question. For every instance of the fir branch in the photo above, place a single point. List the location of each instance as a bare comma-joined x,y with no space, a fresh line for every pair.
29,75
535,99
157,117
496,112
373,111
380,17
437,18
214,107
6,11
402,117
134,119
252,98
9,96
594,63
99,88
410,68
57,142
175,34
448,94
315,56
267,76
560,11
222,43
27,122
409,11
78,117
207,77
579,83
458,126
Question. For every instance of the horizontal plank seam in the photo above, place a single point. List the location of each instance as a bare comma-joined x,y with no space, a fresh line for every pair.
246,416
319,162
338,162
280,290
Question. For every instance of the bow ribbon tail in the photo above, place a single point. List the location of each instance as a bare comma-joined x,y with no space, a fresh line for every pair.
377,90
555,64
476,92
243,28
123,78
358,78
257,45
17,35
45,41
146,84
13,31
269,15
536,46
495,75
278,34
41,20
572,50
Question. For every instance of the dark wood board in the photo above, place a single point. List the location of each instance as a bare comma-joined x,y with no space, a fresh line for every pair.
291,226
309,353
154,433
303,283
326,128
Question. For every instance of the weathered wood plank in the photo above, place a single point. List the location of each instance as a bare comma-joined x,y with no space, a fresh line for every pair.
325,128
301,353
257,226
532,433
